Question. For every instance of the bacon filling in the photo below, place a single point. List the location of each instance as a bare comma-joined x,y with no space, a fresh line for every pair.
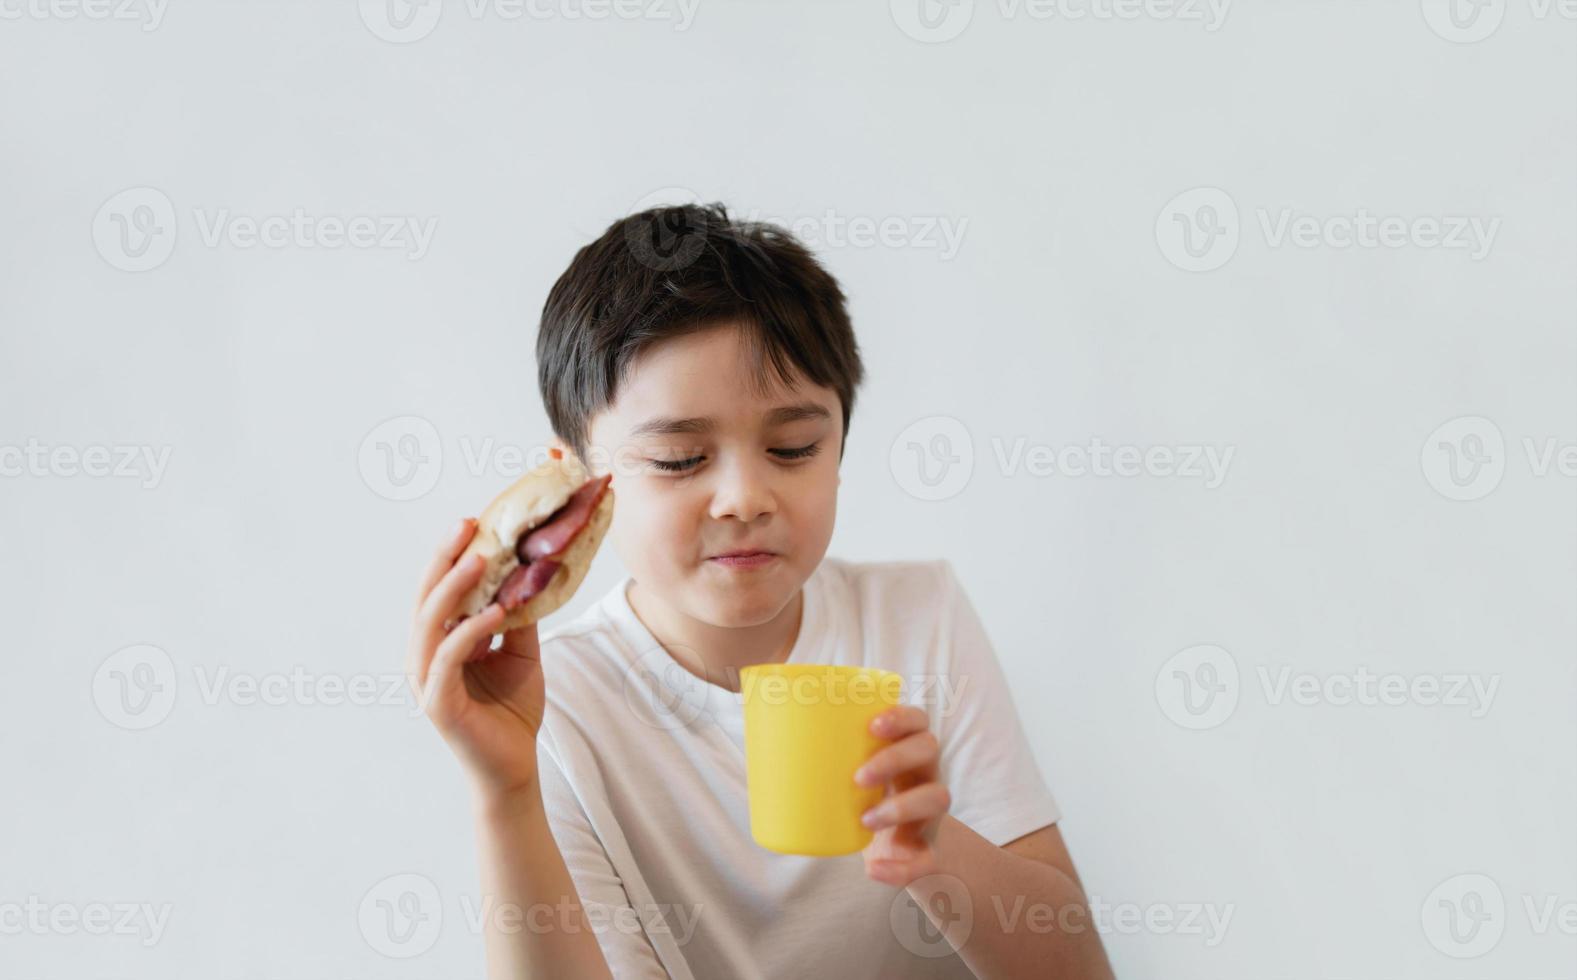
540,548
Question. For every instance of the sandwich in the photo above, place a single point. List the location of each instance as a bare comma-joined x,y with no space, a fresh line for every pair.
539,537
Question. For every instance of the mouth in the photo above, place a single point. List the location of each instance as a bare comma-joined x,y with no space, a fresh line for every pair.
743,559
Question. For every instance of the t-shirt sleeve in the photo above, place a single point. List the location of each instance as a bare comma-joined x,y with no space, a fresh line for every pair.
624,944
987,763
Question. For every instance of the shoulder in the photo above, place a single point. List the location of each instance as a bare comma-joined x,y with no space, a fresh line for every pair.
913,584
896,612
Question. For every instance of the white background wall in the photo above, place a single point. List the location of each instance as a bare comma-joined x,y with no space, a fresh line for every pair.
1058,147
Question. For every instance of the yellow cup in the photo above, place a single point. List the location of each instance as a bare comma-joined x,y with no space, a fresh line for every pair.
807,728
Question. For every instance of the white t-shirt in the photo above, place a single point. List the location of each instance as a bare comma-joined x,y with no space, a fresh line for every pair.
643,775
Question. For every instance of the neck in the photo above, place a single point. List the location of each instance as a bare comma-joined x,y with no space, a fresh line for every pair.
716,653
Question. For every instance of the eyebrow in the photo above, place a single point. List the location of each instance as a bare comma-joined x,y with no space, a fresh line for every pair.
783,415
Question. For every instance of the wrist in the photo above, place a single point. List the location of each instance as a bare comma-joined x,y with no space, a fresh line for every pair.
492,802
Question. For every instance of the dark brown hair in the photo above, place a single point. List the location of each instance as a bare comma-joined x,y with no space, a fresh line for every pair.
670,271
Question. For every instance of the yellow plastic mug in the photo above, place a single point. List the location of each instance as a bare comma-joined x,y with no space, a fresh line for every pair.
807,728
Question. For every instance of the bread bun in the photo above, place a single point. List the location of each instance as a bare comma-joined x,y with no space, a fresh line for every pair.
526,504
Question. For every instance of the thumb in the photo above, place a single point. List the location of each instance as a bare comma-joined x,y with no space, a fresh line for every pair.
522,642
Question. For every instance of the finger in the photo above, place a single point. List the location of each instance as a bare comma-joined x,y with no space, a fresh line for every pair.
918,751
420,649
924,802
900,720
429,628
442,601
443,681
444,557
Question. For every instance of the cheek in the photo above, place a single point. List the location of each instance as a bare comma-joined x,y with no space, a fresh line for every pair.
652,526
812,506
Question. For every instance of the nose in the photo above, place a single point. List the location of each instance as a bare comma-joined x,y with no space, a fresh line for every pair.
743,491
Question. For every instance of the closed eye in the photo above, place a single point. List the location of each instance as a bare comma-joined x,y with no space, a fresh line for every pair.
675,466
800,453
680,465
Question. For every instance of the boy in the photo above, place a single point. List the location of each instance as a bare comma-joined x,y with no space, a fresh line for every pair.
711,366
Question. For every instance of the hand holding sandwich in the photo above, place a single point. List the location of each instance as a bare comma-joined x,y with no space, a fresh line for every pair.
487,704
520,560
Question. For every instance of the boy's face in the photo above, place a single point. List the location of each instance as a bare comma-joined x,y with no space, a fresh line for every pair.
702,466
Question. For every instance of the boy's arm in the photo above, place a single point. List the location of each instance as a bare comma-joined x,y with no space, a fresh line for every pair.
489,705
537,926
1031,917
969,828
